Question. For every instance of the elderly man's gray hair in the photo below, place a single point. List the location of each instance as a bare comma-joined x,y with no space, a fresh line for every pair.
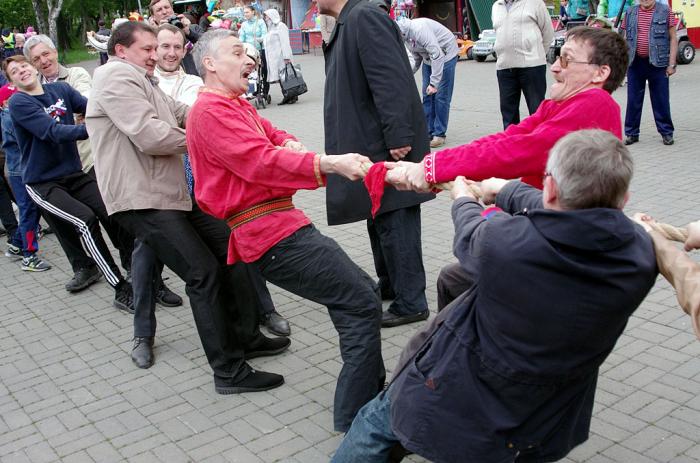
208,45
592,168
35,40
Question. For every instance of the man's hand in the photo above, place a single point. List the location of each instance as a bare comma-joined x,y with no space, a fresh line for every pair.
152,21
490,188
348,165
460,189
185,24
79,119
430,90
407,176
670,70
693,241
399,153
643,220
295,146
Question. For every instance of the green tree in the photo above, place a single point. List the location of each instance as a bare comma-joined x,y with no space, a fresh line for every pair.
16,13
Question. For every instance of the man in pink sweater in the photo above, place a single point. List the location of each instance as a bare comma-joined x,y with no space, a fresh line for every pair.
592,65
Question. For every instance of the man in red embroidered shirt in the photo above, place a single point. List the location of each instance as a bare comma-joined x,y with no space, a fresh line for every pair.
652,49
592,65
248,176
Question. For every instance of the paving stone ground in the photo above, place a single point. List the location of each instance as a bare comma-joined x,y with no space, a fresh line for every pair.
69,392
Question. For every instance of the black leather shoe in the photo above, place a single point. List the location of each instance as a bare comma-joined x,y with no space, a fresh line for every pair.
124,297
390,319
83,278
667,139
276,324
265,347
167,298
631,139
256,381
142,353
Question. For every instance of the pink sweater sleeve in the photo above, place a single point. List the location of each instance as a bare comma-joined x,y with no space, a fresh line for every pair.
522,149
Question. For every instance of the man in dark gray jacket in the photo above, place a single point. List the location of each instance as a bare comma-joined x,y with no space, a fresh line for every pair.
372,107
508,371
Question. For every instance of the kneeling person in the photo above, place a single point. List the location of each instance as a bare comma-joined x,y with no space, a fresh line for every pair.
248,178
513,362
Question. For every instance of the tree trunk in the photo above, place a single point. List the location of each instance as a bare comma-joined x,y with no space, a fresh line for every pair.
54,7
41,23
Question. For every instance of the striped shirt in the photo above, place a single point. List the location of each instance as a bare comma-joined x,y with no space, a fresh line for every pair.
644,26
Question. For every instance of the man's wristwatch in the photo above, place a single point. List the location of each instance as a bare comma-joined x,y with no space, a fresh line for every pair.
674,66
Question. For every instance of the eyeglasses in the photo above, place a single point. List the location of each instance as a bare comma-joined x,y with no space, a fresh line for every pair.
565,61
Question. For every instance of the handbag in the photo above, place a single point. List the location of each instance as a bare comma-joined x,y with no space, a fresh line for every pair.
292,81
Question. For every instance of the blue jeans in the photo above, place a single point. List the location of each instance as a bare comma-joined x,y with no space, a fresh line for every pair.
370,438
437,106
28,216
639,73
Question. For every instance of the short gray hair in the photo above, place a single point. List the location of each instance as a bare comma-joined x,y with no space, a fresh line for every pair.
592,168
208,45
35,40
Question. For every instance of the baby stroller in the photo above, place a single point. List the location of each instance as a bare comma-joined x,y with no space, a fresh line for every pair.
255,92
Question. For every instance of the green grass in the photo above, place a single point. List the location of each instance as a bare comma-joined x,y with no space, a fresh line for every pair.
77,54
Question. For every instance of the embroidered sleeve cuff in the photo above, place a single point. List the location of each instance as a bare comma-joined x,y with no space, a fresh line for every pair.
320,179
429,166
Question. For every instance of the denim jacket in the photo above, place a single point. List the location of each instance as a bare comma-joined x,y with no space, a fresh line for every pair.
9,144
659,38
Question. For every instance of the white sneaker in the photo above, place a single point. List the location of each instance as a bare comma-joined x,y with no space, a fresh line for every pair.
13,252
437,142
34,264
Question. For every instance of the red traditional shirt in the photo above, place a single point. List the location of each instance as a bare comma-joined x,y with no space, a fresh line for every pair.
238,162
522,149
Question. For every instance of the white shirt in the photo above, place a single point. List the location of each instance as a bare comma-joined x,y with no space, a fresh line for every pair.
180,86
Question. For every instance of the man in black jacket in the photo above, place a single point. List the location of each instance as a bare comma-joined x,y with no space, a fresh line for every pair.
372,107
508,371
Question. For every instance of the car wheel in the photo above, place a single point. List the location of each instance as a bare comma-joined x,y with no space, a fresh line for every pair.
480,58
686,52
470,54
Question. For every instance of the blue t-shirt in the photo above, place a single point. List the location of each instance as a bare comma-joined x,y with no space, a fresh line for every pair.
46,132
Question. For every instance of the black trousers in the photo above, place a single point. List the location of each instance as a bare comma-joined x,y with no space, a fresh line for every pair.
532,82
451,283
195,245
69,239
75,199
314,267
263,85
398,258
146,270
7,214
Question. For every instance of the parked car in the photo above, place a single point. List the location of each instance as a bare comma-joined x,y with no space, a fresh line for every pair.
686,50
484,46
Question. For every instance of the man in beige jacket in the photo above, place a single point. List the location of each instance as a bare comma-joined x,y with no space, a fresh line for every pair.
41,52
138,137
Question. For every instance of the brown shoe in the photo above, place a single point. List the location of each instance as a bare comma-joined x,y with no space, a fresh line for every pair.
437,142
